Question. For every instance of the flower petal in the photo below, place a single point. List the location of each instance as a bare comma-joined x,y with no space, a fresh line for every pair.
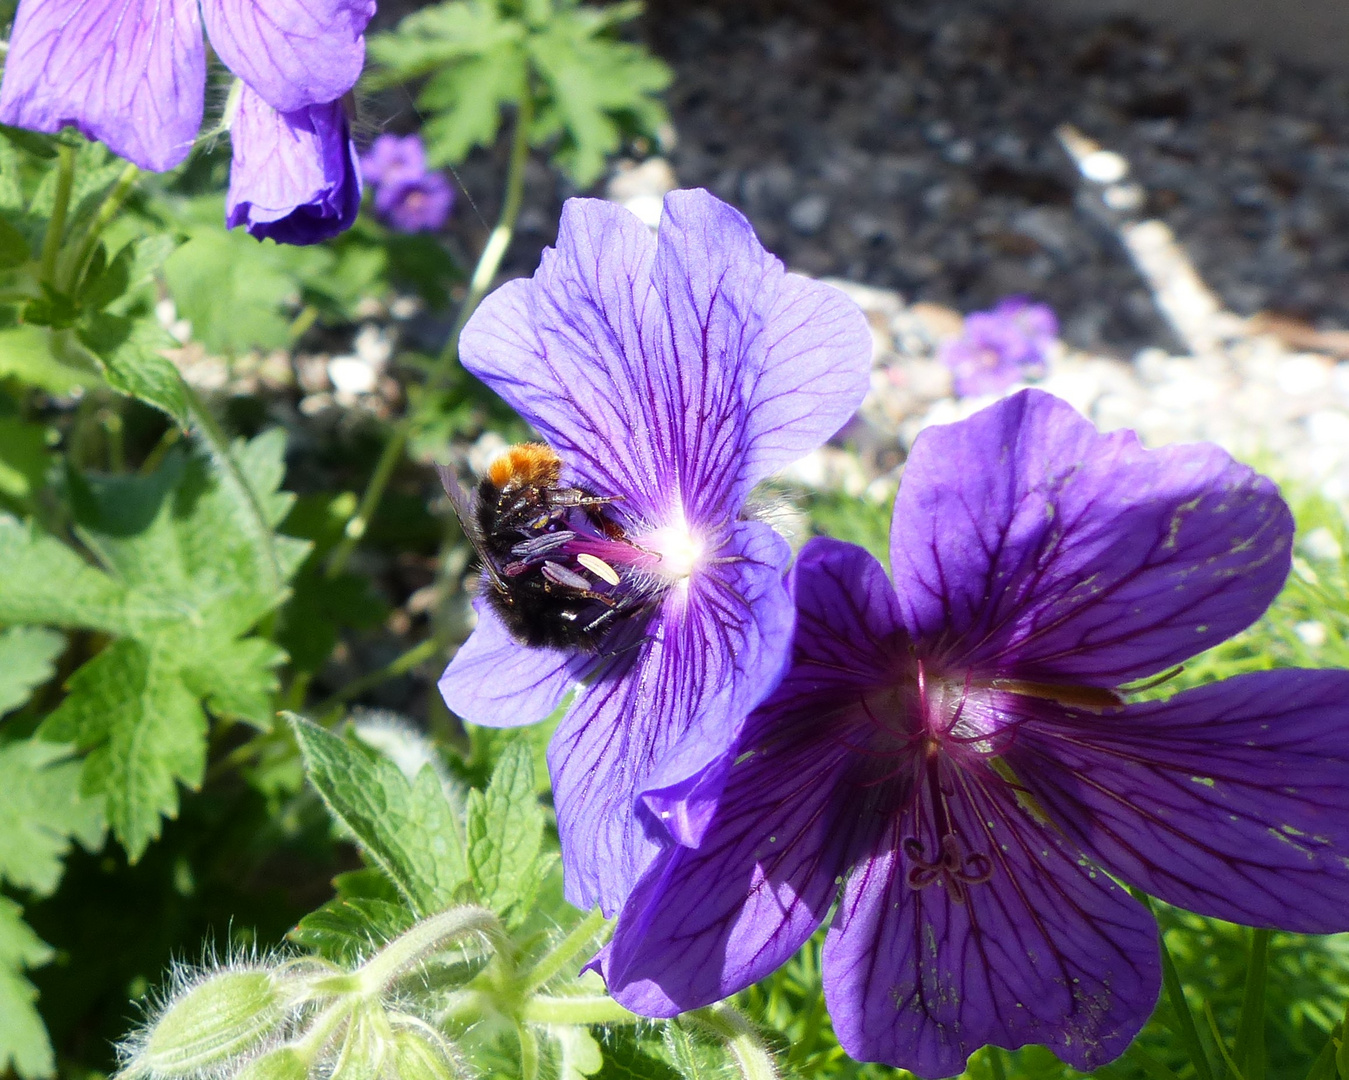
131,73
678,394
1032,545
1047,951
1231,800
293,176
494,681
293,53
769,365
662,713
705,922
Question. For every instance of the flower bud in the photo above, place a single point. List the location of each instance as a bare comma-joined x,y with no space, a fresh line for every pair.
226,1015
419,1055
365,1046
283,1063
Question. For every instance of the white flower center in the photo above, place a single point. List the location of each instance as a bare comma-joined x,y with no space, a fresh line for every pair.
679,549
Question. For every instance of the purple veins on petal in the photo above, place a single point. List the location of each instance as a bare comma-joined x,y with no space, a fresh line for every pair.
669,374
977,778
293,53
131,73
293,176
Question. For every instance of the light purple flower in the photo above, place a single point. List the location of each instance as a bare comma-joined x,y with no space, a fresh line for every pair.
132,73
1000,347
394,159
953,749
421,205
672,374
293,176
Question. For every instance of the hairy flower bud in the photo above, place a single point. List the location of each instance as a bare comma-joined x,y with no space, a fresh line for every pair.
283,1063
419,1053
366,1046
221,1017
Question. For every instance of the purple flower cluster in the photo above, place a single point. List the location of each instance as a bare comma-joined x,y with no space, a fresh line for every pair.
408,197
1000,347
132,73
951,761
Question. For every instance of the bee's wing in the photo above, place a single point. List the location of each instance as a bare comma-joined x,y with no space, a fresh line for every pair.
468,521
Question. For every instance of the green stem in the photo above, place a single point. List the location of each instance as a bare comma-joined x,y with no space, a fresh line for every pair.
746,1047
112,203
564,951
1186,1028
497,243
399,665
529,1052
1149,1064
1249,1049
587,1009
56,227
263,541
416,944
1232,1068
374,491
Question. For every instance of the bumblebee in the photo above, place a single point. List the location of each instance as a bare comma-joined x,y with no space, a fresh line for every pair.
531,532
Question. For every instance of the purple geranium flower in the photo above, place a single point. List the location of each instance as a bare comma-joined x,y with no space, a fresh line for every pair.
1000,347
394,159
293,176
954,749
421,205
670,374
132,73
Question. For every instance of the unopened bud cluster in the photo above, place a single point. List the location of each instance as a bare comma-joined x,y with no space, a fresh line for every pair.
288,1019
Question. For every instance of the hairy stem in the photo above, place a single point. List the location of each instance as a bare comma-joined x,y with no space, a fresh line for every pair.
416,944
587,1009
752,1057
56,227
497,243
564,951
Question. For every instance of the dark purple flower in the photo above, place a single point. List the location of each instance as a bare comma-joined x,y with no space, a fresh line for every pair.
954,749
1000,347
671,374
394,159
132,73
411,206
293,176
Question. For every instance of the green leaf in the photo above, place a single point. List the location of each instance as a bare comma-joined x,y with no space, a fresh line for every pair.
627,1058
466,100
24,1045
505,835
26,656
26,354
145,731
23,458
14,250
179,588
134,362
345,931
41,812
408,829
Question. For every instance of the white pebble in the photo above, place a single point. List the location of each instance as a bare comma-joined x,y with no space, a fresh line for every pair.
1104,167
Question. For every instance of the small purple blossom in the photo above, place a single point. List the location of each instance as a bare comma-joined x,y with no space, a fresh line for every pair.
132,73
293,176
671,373
408,197
955,749
394,159
1000,347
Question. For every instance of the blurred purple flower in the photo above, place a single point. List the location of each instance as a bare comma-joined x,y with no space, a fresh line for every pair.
954,749
672,373
1000,347
132,73
293,176
421,205
394,159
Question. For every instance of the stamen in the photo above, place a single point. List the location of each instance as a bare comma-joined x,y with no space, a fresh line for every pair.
598,567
